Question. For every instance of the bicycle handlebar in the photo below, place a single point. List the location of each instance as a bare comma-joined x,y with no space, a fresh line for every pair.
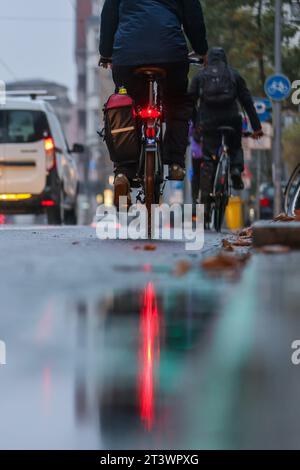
196,61
247,134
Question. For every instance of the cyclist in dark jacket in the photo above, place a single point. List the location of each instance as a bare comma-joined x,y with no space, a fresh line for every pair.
143,32
210,118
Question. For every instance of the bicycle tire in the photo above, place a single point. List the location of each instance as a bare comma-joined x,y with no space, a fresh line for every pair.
149,188
221,192
219,212
292,202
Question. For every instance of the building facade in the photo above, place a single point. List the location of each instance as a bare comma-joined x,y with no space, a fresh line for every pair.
94,87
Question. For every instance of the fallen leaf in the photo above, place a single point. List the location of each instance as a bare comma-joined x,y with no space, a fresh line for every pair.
246,232
284,218
227,246
182,268
220,262
150,248
243,242
275,249
297,212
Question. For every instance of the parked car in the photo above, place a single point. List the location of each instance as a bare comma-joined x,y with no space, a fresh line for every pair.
266,201
38,172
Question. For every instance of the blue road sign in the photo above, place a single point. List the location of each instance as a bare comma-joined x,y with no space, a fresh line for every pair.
278,87
263,108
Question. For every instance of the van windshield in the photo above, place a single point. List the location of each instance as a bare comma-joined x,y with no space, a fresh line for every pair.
22,126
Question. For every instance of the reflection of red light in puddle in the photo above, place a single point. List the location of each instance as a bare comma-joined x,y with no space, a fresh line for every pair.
149,353
47,387
147,268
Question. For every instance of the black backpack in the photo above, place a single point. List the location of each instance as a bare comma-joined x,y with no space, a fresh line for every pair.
218,85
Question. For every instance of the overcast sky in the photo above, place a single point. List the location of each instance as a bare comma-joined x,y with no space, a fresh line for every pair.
42,48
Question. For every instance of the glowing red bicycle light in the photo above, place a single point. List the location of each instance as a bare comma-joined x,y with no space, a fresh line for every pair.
149,112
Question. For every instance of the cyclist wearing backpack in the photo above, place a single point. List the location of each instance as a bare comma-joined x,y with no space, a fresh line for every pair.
219,88
138,33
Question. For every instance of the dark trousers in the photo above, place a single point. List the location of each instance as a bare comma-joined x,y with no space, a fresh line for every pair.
212,139
177,107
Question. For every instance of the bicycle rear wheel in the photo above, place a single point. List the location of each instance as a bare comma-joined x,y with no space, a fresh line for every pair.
221,192
150,188
292,193
219,212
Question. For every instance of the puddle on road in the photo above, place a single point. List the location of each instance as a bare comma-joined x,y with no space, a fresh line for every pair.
143,341
108,372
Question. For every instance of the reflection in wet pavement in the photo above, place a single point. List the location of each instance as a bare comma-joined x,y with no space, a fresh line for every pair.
161,363
147,337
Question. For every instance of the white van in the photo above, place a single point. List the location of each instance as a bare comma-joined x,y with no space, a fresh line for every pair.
38,172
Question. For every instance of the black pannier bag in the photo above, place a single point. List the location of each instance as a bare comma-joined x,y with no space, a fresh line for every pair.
121,133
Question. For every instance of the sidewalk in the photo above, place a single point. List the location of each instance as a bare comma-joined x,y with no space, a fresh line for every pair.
250,388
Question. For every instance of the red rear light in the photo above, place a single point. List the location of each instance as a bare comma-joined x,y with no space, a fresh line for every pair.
149,112
47,203
265,202
150,132
49,146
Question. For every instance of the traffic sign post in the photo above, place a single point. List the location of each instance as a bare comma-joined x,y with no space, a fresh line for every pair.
277,88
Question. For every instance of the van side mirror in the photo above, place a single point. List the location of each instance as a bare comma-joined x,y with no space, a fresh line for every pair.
78,148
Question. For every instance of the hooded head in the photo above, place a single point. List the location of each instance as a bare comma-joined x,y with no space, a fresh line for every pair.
216,54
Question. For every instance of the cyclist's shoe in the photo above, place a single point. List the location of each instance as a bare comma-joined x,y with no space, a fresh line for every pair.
176,172
122,189
237,181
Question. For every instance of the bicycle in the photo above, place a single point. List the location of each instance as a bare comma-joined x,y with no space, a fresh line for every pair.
151,170
217,200
292,193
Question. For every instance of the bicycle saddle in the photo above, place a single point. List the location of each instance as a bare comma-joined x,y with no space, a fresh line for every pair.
226,129
157,72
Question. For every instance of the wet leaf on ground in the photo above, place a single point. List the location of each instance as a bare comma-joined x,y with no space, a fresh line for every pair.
182,268
227,245
246,233
284,218
243,242
220,262
150,248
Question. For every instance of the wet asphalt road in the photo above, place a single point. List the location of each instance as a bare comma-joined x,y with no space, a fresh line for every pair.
107,349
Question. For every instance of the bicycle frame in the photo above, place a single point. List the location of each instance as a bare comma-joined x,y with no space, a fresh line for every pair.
151,130
223,167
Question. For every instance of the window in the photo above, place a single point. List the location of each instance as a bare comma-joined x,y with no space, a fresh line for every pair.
22,126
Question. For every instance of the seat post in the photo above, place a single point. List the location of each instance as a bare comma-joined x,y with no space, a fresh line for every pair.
151,95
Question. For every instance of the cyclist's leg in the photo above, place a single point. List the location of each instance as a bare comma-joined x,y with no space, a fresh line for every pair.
178,112
196,168
211,143
236,153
